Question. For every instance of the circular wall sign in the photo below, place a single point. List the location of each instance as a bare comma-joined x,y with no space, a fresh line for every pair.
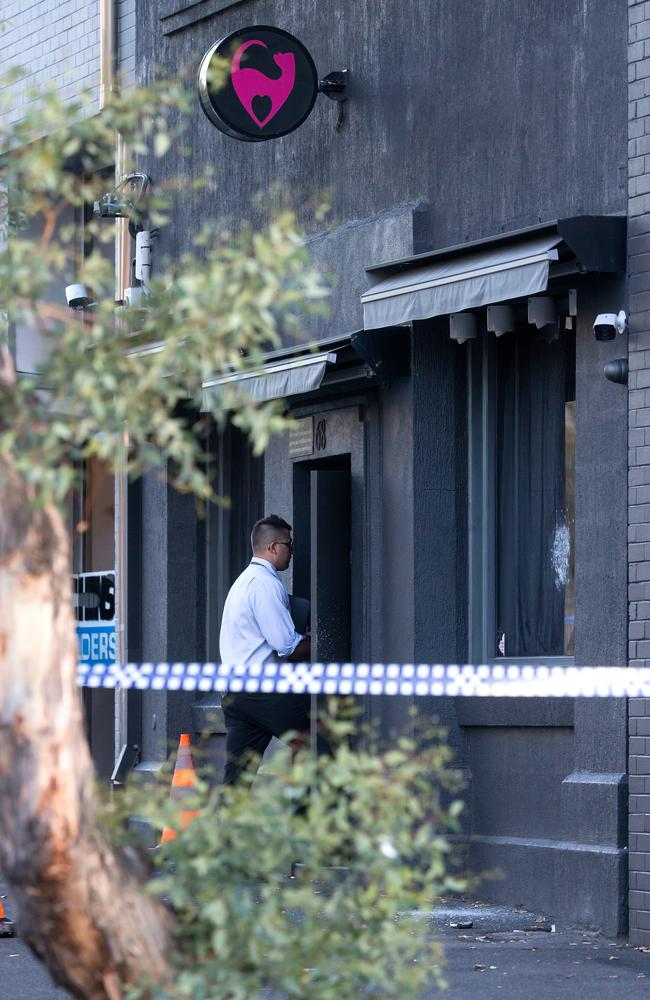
270,87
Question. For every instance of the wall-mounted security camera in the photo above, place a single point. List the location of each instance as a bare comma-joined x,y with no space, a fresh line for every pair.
134,297
143,256
78,297
617,371
607,325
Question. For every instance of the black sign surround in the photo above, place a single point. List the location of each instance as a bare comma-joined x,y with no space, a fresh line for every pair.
270,88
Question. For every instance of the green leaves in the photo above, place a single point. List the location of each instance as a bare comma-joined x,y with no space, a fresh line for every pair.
368,831
138,372
161,143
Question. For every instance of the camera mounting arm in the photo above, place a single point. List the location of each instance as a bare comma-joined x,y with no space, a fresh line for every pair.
126,201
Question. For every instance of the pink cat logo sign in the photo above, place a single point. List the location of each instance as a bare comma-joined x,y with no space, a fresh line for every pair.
258,83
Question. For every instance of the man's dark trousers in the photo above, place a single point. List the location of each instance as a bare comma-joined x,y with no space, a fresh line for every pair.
253,719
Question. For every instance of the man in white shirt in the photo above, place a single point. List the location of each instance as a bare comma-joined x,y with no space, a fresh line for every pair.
257,627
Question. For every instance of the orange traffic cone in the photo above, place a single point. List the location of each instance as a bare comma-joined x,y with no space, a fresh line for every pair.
182,781
6,925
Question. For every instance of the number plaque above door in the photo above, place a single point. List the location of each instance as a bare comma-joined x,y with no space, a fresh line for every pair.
301,438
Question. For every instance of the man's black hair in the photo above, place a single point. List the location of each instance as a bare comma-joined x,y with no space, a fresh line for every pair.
268,529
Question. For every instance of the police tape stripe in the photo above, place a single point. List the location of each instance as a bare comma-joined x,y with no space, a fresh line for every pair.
409,679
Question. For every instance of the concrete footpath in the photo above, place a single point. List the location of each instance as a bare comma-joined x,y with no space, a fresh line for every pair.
512,954
507,953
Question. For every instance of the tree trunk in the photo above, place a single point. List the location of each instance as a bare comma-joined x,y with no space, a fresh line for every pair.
80,909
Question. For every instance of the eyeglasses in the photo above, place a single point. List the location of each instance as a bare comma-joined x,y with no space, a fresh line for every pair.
288,544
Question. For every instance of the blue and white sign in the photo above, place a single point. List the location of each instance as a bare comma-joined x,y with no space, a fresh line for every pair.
94,601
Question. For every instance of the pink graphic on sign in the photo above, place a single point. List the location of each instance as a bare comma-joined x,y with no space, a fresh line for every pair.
249,83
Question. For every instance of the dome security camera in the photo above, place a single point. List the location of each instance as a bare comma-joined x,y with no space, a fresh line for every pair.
78,297
617,371
607,325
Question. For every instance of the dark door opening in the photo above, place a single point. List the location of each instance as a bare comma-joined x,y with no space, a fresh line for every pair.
322,571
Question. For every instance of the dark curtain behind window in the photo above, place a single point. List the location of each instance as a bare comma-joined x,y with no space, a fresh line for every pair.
534,536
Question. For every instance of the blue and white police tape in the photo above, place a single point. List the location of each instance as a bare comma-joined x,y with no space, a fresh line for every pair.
407,679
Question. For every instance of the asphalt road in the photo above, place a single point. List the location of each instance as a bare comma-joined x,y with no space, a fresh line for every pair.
498,958
22,977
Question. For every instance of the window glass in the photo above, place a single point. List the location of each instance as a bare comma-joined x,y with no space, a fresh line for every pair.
91,519
535,494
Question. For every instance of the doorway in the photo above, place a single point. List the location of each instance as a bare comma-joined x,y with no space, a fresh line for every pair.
322,505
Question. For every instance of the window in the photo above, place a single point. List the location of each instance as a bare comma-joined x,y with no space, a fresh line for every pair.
74,239
91,519
522,495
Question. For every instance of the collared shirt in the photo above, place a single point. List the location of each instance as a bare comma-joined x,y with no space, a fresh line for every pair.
256,622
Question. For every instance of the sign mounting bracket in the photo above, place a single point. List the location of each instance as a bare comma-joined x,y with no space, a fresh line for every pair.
334,85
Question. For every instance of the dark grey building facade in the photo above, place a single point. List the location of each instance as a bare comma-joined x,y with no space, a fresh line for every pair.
455,498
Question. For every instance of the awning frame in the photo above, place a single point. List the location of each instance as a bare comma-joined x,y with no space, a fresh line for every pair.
597,241
501,268
271,369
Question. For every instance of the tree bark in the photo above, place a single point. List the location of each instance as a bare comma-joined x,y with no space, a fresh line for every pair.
79,907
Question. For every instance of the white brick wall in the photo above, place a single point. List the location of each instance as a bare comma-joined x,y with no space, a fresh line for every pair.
55,42
126,41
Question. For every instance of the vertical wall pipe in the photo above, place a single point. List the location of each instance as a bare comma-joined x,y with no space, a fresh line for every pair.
107,86
107,49
122,274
